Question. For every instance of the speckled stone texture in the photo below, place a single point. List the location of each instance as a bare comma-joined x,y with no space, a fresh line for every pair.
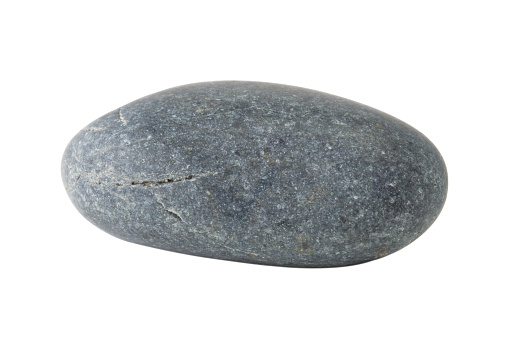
256,172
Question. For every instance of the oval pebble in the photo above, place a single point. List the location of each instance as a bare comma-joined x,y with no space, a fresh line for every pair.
258,173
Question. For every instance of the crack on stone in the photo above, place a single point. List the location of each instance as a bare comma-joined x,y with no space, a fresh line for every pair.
170,211
174,214
152,183
121,117
164,181
190,177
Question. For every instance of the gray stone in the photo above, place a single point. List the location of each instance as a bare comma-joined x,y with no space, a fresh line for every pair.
256,172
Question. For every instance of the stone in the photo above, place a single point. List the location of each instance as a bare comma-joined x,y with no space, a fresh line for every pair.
258,173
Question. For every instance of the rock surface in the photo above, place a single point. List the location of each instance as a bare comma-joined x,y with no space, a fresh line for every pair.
256,172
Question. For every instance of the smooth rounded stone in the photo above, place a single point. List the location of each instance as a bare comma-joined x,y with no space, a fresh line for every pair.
258,173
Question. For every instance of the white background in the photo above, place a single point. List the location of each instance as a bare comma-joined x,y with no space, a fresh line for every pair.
441,66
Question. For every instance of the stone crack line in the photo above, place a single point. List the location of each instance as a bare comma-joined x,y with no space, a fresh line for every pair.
171,211
171,180
152,183
121,117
